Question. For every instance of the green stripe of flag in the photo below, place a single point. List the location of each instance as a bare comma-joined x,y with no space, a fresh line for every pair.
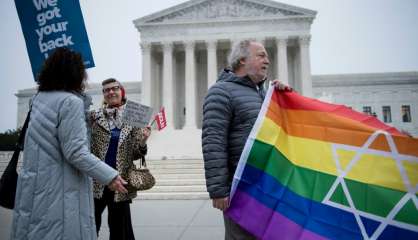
315,185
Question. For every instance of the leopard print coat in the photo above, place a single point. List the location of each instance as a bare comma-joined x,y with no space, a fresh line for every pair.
129,150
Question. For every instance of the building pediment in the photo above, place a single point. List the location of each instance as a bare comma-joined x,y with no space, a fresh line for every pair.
223,10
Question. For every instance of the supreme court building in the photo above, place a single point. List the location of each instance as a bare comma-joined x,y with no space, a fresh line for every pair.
186,46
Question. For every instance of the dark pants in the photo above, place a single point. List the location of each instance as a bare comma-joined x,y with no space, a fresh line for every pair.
234,231
119,216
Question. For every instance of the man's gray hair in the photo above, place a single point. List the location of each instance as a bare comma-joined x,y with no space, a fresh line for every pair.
240,50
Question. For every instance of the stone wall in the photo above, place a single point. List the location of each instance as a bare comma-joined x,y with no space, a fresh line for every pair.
374,90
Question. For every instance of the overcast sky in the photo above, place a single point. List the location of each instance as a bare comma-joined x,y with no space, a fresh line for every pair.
348,36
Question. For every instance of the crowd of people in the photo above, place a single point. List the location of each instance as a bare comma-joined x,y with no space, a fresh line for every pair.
76,160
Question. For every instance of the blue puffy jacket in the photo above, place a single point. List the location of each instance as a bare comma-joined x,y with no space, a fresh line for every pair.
230,110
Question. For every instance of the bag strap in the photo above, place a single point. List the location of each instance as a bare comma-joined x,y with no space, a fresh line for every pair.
143,162
20,142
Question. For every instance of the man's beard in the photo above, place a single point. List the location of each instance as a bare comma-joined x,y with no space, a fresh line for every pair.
257,78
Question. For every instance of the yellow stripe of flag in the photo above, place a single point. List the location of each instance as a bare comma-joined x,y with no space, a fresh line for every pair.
317,155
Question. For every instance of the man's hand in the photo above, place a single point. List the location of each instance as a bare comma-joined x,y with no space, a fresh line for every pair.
281,86
117,185
221,203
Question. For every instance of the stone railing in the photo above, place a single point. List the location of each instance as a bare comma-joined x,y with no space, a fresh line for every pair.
5,158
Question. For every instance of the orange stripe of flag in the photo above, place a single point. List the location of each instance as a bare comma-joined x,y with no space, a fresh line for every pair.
291,100
334,128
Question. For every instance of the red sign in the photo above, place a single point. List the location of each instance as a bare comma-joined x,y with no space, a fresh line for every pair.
161,120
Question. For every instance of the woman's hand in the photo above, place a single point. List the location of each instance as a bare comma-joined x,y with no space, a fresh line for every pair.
117,185
146,132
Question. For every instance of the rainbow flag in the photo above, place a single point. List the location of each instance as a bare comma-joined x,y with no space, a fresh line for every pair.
313,170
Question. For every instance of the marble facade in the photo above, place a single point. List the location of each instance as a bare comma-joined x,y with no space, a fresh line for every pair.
186,46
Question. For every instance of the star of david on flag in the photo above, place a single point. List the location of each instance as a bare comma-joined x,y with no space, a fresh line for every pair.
314,170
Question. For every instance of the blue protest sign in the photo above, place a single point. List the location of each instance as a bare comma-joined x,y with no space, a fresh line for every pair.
48,24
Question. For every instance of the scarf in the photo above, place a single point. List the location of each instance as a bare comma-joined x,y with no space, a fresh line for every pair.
114,116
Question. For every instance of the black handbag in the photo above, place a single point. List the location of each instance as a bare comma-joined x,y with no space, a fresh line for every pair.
8,181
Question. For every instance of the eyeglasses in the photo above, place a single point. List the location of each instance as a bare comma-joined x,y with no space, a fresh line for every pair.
114,89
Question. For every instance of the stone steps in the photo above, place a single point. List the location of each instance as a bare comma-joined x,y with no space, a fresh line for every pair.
177,188
178,175
176,179
173,161
181,182
175,166
163,171
172,195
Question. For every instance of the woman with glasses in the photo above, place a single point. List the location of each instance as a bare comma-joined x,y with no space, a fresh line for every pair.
54,190
118,145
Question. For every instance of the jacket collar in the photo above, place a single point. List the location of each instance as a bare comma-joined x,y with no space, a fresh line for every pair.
228,75
101,119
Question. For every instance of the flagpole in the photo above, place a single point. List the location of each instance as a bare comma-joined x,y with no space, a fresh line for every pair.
152,122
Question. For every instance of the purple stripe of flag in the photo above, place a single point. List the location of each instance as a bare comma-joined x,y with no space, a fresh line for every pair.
263,222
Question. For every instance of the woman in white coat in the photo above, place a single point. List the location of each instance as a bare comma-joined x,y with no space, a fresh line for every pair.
54,191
